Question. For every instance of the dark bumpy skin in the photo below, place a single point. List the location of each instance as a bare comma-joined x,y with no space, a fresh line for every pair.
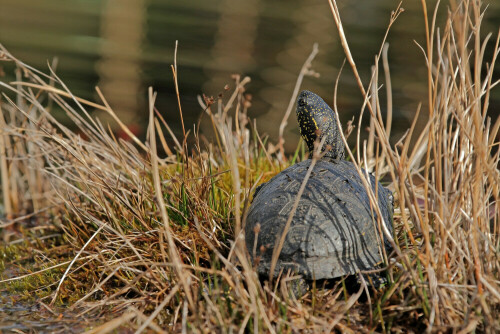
315,116
333,231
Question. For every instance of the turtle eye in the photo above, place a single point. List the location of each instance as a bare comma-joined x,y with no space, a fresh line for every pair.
301,102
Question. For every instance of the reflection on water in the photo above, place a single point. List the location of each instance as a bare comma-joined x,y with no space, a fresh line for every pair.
126,46
119,68
19,317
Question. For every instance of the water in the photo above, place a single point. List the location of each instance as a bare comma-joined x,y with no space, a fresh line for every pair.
29,315
17,315
124,47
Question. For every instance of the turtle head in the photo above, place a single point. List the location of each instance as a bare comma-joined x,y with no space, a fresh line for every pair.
317,120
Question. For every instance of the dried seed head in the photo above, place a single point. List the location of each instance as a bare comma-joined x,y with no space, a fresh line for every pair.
256,229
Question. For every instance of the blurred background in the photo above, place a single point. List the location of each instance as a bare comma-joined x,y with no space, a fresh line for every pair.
125,46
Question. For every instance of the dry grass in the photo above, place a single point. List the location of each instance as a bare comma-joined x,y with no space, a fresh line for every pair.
159,241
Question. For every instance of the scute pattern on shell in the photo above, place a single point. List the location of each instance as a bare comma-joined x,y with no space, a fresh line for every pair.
332,232
334,229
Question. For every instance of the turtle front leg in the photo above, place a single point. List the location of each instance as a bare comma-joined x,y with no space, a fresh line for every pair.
298,286
375,280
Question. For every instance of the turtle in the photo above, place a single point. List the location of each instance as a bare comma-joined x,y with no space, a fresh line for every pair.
333,232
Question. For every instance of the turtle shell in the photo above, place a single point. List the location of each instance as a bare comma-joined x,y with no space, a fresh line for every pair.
333,231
